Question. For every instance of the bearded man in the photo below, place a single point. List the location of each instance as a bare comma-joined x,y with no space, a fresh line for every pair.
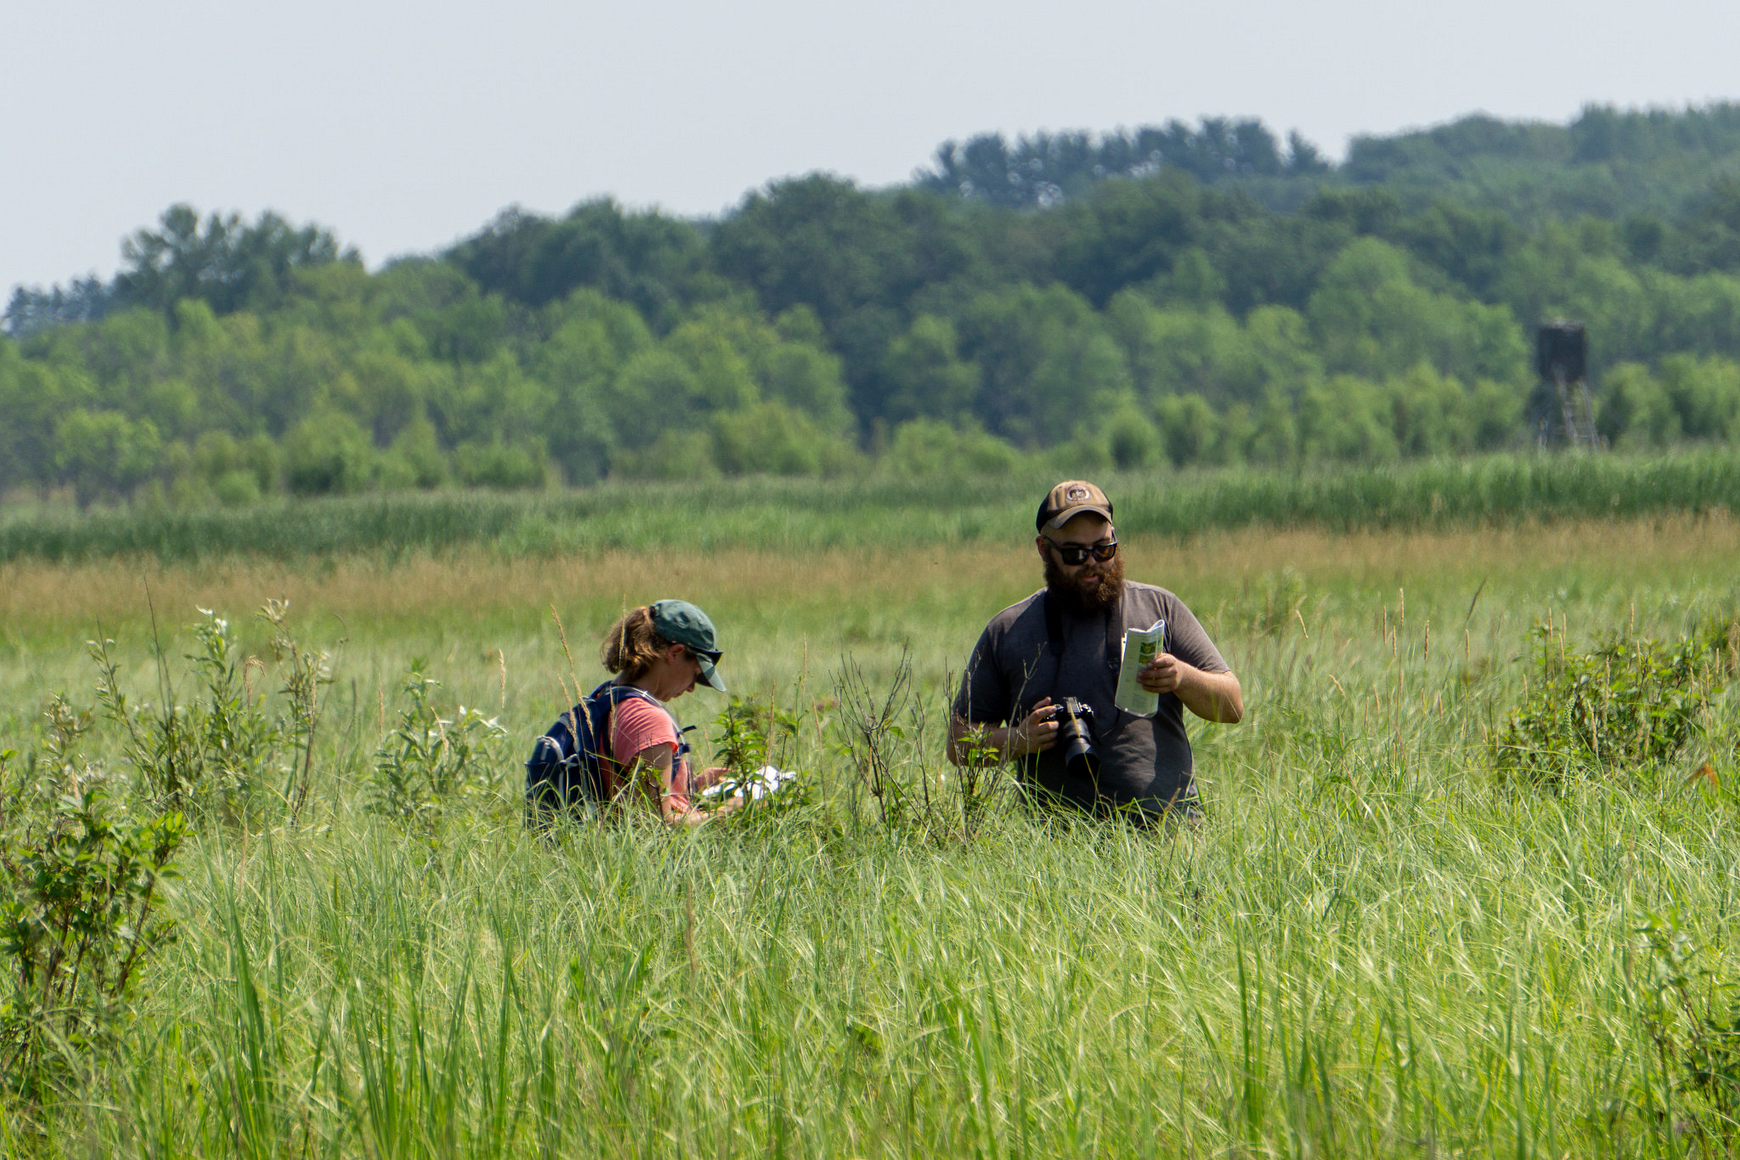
1066,640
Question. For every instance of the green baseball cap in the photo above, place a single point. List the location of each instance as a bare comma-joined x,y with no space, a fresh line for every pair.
682,623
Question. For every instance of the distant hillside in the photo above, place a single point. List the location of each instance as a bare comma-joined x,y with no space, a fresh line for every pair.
1168,296
1608,163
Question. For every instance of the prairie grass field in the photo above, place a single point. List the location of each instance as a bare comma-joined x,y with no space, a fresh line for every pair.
1379,943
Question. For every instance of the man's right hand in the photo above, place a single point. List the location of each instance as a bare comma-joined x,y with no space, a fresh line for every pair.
1037,731
979,744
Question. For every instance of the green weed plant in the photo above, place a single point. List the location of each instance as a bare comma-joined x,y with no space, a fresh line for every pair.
1629,703
428,762
220,750
1689,1006
757,732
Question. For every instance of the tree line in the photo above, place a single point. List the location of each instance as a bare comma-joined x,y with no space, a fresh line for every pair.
1169,296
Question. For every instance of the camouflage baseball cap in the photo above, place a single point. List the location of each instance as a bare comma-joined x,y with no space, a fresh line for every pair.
1069,499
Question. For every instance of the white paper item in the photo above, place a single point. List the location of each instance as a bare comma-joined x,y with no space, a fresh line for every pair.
760,784
1141,646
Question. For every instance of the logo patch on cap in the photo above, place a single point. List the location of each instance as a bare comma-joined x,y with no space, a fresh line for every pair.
1075,493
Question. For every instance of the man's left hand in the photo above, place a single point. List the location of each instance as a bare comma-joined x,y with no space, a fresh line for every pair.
1160,675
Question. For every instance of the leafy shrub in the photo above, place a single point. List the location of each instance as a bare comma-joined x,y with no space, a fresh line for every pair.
77,916
773,439
1624,704
328,454
923,448
221,752
1132,439
753,733
504,466
428,761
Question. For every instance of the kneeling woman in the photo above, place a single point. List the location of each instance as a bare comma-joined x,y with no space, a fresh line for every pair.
663,650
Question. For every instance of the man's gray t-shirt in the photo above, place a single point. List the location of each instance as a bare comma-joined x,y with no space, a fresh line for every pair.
1143,762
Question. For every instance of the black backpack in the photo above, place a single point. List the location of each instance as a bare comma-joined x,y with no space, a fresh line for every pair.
564,773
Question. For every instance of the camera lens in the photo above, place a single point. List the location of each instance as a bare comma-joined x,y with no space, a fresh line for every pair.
1079,755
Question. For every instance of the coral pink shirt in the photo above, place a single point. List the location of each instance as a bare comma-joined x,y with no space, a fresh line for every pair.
637,725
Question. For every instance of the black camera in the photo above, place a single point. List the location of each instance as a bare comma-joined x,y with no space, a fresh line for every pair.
1075,729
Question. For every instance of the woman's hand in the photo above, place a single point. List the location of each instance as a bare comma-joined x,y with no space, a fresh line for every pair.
705,778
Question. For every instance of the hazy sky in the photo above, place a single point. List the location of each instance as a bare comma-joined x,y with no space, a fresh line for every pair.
405,126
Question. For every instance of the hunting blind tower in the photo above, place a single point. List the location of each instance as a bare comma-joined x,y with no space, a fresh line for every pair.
1565,412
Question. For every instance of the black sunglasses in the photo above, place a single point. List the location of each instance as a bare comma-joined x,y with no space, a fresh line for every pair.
1076,554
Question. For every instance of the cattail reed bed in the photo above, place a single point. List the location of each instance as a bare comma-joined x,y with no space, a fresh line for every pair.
791,514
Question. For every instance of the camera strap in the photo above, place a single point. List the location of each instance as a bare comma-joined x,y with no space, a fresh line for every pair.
1114,644
1054,634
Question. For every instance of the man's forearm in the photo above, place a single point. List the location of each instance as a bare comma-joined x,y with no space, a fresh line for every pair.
978,744
1211,696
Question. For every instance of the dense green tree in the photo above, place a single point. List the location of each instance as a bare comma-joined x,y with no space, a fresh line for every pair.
415,458
328,453
33,395
1347,419
501,463
925,375
1470,245
1041,169
225,263
1132,231
931,448
229,469
104,453
1634,410
820,241
1176,351
655,391
646,259
591,338
1132,439
494,401
1373,319
1048,362
1174,294
772,438
854,258
1190,430
1705,395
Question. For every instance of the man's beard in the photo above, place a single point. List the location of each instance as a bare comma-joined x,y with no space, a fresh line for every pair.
1083,595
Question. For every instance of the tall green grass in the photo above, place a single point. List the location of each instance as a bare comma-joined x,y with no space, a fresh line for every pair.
783,515
1371,950
1375,947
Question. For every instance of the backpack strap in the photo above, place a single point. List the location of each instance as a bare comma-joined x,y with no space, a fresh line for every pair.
615,695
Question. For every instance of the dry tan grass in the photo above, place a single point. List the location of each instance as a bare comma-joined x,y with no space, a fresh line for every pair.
1612,548
37,597
471,581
